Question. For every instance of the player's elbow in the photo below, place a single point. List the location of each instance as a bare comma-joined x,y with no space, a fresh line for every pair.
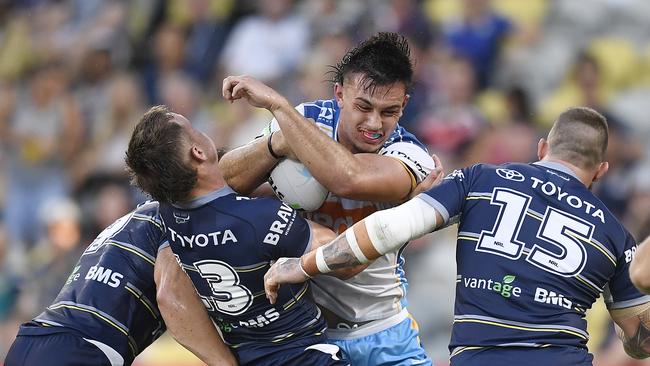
347,184
168,302
640,277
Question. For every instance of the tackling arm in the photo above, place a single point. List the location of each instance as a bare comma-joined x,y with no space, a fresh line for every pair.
634,323
380,233
185,315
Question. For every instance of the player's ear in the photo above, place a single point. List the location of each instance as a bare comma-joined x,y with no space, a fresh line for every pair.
198,154
542,148
407,97
338,94
602,169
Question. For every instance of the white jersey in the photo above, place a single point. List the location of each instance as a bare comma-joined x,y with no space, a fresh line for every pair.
377,294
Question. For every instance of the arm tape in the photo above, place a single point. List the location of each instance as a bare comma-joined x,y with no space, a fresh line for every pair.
354,245
389,229
320,261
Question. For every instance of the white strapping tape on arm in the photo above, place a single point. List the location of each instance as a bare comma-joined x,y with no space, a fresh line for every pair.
352,241
389,229
320,261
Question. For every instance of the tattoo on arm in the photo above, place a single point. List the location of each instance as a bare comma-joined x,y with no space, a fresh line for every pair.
638,346
338,254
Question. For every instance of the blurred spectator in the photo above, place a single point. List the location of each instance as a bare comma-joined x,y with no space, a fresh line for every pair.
167,58
182,95
45,135
496,145
9,279
206,37
52,259
478,36
120,111
406,17
450,127
267,45
327,17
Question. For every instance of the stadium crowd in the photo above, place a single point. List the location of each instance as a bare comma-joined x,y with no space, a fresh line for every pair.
75,75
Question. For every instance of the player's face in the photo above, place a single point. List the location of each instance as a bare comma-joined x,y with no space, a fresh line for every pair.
199,138
368,116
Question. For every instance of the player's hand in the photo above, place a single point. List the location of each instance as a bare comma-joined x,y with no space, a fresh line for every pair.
284,270
433,179
254,91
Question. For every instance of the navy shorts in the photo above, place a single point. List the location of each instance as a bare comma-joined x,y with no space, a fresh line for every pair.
523,356
292,354
56,349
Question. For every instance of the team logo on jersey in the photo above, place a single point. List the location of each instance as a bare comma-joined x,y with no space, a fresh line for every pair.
181,217
510,174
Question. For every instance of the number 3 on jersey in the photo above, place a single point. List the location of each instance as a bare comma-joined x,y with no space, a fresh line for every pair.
229,296
563,230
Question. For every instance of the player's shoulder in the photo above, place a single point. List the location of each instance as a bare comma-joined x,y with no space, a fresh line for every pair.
257,210
322,111
148,208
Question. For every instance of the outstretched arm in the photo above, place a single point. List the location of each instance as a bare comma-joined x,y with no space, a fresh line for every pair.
355,176
640,267
380,233
185,315
634,323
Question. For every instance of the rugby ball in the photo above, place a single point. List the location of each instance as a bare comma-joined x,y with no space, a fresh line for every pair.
294,185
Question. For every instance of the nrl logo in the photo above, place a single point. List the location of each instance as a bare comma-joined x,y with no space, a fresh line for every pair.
181,217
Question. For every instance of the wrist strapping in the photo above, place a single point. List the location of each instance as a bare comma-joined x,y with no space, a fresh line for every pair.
269,145
303,269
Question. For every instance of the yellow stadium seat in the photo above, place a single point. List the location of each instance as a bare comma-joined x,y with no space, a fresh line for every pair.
492,104
644,78
528,12
442,11
618,61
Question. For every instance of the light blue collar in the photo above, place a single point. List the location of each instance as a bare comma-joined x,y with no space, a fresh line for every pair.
557,166
200,201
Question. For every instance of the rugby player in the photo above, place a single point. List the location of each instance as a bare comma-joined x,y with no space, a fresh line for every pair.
354,146
225,242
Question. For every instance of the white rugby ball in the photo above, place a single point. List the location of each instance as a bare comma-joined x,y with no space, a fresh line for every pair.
294,185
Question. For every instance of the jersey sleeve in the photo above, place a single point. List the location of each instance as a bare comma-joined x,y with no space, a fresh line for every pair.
416,160
273,124
448,198
281,230
620,292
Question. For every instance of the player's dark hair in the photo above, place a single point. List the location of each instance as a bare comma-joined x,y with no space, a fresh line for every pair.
580,136
155,160
382,60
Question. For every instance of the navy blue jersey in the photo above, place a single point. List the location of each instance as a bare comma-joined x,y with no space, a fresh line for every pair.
535,250
226,244
110,296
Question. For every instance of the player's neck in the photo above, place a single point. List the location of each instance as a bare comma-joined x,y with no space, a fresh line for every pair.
583,176
208,180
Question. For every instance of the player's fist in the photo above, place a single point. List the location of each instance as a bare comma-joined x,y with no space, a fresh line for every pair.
284,270
254,91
